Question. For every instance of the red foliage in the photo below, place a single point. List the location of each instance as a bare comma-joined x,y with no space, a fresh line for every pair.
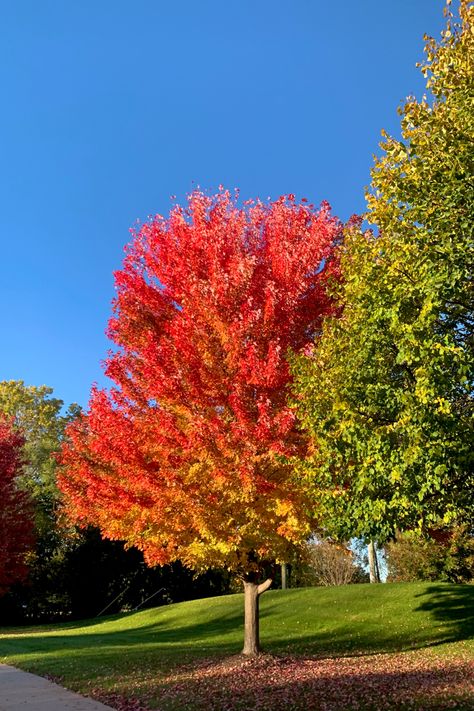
180,458
16,522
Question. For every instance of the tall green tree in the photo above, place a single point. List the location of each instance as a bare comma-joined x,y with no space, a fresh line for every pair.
40,418
387,394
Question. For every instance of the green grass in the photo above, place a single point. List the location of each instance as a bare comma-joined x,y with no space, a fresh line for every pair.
129,652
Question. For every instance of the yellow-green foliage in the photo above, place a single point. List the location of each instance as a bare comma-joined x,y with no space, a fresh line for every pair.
387,397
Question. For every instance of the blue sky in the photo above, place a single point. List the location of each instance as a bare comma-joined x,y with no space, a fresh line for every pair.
112,106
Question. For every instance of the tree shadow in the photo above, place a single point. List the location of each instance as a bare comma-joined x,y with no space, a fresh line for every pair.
447,616
164,643
453,606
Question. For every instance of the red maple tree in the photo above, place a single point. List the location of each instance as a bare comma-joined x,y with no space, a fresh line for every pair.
16,520
182,457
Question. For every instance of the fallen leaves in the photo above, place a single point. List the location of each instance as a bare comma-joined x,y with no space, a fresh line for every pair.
415,681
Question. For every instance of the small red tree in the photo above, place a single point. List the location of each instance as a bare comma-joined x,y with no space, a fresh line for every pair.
182,457
16,522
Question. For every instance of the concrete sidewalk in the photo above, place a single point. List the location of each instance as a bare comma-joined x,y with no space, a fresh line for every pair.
21,691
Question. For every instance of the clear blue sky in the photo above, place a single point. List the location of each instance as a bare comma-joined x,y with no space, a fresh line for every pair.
111,106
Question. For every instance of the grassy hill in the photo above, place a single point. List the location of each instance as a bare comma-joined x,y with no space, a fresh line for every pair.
145,654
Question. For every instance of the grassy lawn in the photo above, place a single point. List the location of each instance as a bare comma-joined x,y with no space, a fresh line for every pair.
379,646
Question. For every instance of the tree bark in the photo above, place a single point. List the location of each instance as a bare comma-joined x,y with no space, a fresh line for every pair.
285,576
252,592
374,574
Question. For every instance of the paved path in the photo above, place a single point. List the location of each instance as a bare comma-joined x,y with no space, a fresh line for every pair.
21,691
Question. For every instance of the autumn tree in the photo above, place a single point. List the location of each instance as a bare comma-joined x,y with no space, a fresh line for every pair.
387,396
183,456
16,525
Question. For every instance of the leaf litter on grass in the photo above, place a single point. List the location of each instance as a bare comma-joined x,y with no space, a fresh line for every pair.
415,681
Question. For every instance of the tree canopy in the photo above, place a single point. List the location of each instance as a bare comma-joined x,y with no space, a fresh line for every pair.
40,418
39,415
182,457
387,395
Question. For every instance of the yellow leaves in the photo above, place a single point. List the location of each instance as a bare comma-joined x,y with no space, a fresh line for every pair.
291,529
395,475
197,471
283,508
443,406
449,517
335,493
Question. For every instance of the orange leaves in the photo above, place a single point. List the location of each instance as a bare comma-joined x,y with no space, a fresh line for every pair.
179,457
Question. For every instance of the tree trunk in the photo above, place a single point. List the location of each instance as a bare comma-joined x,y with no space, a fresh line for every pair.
285,576
374,574
252,592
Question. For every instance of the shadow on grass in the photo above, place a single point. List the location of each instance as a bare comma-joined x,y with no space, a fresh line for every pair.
163,643
444,615
453,606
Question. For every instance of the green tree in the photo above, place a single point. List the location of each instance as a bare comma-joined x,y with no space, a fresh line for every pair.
387,394
42,420
39,416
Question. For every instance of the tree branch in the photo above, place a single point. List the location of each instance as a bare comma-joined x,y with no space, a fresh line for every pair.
264,586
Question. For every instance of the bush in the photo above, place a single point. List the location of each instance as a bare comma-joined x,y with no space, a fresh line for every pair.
327,563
